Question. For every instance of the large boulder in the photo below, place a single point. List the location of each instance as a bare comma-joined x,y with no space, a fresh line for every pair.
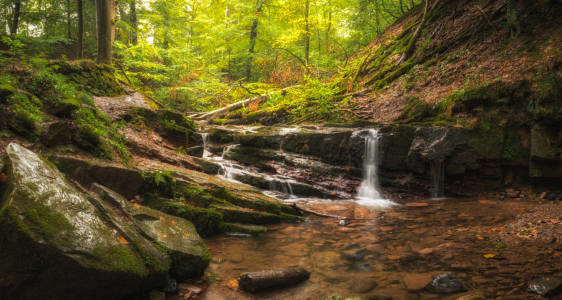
124,181
177,236
55,133
64,108
59,243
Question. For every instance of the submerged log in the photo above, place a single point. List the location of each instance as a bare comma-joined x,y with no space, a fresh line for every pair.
272,279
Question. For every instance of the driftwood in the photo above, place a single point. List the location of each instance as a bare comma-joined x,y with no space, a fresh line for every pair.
272,279
240,104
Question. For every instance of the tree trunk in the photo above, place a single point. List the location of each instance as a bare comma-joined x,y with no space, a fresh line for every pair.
133,7
113,18
512,19
68,28
307,32
103,24
329,26
80,37
16,21
253,37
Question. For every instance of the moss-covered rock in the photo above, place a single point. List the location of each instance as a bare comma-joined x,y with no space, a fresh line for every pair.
91,77
124,181
243,229
52,234
176,236
64,108
6,90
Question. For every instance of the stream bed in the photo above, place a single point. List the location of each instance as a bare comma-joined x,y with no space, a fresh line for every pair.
382,251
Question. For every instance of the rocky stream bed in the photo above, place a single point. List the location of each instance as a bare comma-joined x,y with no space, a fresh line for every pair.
380,212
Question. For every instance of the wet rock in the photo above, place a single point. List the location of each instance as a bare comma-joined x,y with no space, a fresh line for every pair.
177,236
124,181
243,229
353,256
546,286
156,295
480,295
55,133
363,285
186,288
343,223
169,286
416,283
444,284
195,151
51,233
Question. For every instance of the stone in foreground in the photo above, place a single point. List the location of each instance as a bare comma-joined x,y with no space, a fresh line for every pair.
176,236
272,279
546,286
56,244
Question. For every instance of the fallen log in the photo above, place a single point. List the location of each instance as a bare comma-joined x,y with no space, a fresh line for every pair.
240,104
272,279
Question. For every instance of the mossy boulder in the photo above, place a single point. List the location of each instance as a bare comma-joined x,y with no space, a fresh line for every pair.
6,90
124,181
243,229
64,108
58,243
176,236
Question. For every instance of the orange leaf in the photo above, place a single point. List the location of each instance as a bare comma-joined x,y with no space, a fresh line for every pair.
2,177
186,234
162,219
173,222
162,235
123,240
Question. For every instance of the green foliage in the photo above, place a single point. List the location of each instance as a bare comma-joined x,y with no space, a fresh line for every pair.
508,153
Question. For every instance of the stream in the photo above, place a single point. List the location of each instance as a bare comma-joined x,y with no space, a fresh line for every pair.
385,248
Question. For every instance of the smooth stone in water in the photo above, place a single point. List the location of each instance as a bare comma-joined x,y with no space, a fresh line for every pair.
363,285
444,284
170,286
352,256
546,286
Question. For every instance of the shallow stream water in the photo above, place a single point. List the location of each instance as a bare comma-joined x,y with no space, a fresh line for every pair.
369,256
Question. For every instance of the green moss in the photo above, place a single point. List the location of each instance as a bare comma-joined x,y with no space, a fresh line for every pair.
124,260
243,229
186,266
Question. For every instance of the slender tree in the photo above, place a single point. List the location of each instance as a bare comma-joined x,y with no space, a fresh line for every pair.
133,20
253,38
80,35
104,35
16,20
307,32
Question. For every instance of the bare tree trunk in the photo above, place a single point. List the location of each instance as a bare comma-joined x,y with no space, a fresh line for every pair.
103,22
68,26
80,37
307,32
512,19
16,21
253,37
133,8
113,18
329,26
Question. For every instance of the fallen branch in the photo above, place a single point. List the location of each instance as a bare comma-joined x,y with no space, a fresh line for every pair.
240,104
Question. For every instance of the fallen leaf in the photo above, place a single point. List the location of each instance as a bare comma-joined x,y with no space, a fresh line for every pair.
162,235
489,255
2,177
162,219
186,234
123,240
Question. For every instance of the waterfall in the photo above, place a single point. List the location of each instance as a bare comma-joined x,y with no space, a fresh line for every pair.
437,170
369,189
205,137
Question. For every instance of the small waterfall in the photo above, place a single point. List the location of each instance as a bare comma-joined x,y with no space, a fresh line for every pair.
369,189
205,137
437,170
282,186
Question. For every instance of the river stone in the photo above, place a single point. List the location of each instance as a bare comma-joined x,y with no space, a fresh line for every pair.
479,295
196,151
177,236
546,286
57,244
124,181
363,285
352,256
444,284
156,295
55,133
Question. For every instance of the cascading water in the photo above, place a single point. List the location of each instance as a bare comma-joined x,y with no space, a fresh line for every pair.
205,137
369,192
437,169
370,186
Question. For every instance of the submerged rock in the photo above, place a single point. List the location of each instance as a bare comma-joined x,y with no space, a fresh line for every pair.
546,286
55,239
176,236
444,284
169,286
